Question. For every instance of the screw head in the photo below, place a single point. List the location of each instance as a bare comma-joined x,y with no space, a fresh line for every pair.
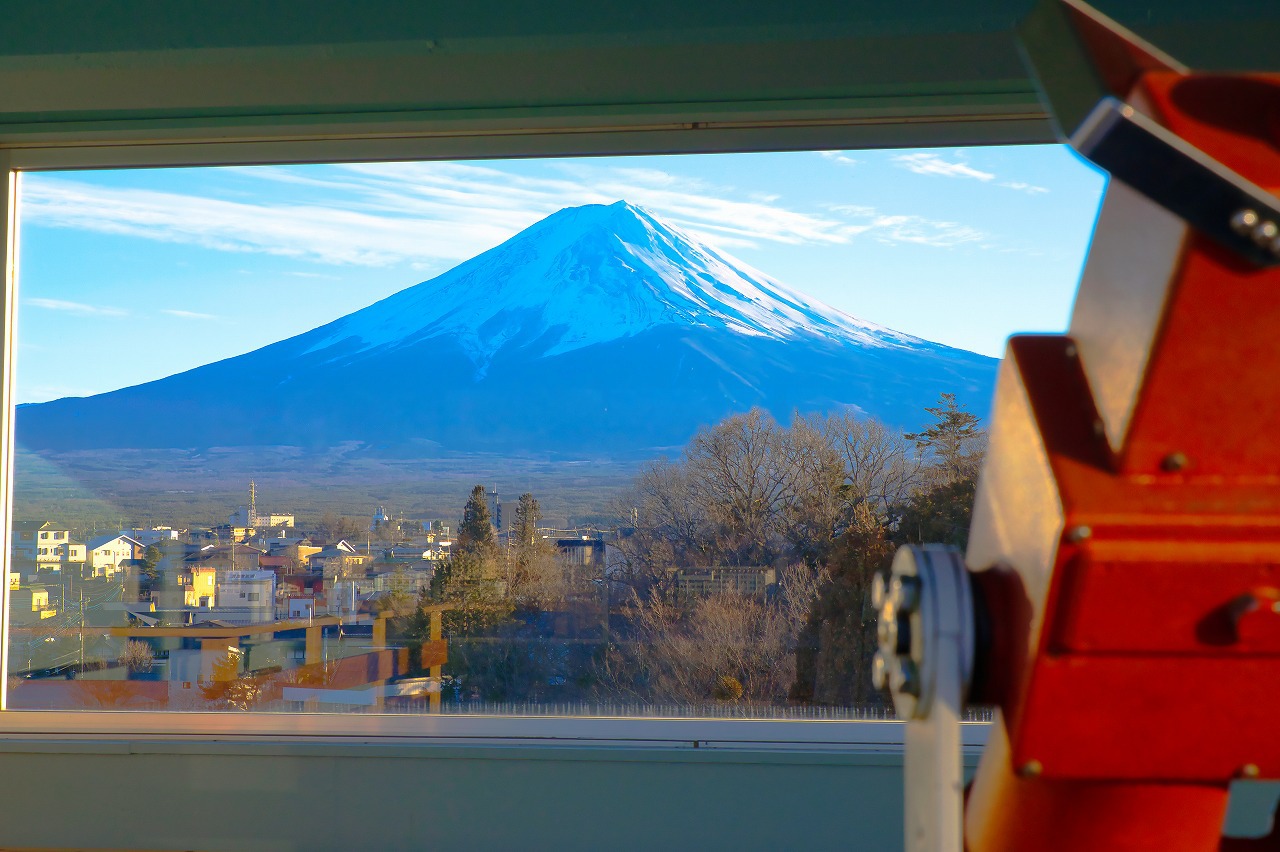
1250,770
879,671
887,628
1264,232
1244,221
1031,769
1070,350
1174,462
1075,535
877,591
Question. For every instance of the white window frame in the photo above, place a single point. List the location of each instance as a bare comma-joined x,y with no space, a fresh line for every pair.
516,139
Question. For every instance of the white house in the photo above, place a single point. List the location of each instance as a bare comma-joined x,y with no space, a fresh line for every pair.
46,544
107,552
246,597
152,535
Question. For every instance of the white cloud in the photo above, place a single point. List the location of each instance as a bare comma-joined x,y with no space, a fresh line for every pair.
1020,186
78,308
859,210
838,157
926,232
925,163
431,215
181,314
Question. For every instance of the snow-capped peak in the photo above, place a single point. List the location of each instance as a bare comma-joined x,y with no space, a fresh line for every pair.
590,274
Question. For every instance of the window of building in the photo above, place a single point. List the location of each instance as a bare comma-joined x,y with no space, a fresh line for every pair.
637,394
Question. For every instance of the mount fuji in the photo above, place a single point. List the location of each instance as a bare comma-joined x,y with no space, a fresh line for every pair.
598,331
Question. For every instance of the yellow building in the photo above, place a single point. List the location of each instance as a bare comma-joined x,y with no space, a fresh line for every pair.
30,605
199,586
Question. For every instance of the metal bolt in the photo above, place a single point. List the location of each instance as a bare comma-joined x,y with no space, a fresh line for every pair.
1250,770
887,629
879,671
1075,535
1265,232
1031,769
1174,462
904,592
1244,221
1099,428
1071,351
877,591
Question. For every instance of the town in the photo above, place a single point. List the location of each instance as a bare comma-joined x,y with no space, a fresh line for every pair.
733,579
176,611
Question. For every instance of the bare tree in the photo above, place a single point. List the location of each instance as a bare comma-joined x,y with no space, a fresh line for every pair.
726,646
137,657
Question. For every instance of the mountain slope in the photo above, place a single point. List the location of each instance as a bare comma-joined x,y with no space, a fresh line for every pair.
599,330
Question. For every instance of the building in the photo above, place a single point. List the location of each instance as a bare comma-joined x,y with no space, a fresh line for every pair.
249,518
751,581
583,552
107,553
152,535
199,586
245,597
338,560
297,554
30,604
242,557
47,545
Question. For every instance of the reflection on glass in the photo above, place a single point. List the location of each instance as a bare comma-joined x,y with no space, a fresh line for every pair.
594,464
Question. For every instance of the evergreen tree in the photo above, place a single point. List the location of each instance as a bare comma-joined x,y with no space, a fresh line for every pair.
473,579
475,533
525,527
953,440
941,510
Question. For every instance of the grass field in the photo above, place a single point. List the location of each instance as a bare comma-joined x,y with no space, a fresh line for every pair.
182,488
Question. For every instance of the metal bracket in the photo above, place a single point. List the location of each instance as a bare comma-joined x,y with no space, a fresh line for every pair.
926,632
1182,179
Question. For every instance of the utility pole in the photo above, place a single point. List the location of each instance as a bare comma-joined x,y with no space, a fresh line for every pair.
82,629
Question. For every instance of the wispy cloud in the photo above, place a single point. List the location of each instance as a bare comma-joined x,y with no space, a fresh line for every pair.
297,274
429,215
838,157
78,308
926,163
929,163
181,314
1021,186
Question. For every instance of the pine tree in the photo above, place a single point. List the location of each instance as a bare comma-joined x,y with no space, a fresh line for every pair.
475,533
941,510
528,513
472,580
953,440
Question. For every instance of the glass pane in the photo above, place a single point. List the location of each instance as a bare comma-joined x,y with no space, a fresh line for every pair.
618,437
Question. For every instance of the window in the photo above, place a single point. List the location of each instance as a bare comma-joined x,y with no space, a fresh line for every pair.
582,420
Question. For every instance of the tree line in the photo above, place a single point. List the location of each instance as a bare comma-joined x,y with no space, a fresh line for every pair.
822,501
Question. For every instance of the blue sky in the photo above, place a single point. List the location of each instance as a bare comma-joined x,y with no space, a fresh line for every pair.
128,276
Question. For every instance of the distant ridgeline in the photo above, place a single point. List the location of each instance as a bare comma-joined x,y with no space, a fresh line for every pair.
599,331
